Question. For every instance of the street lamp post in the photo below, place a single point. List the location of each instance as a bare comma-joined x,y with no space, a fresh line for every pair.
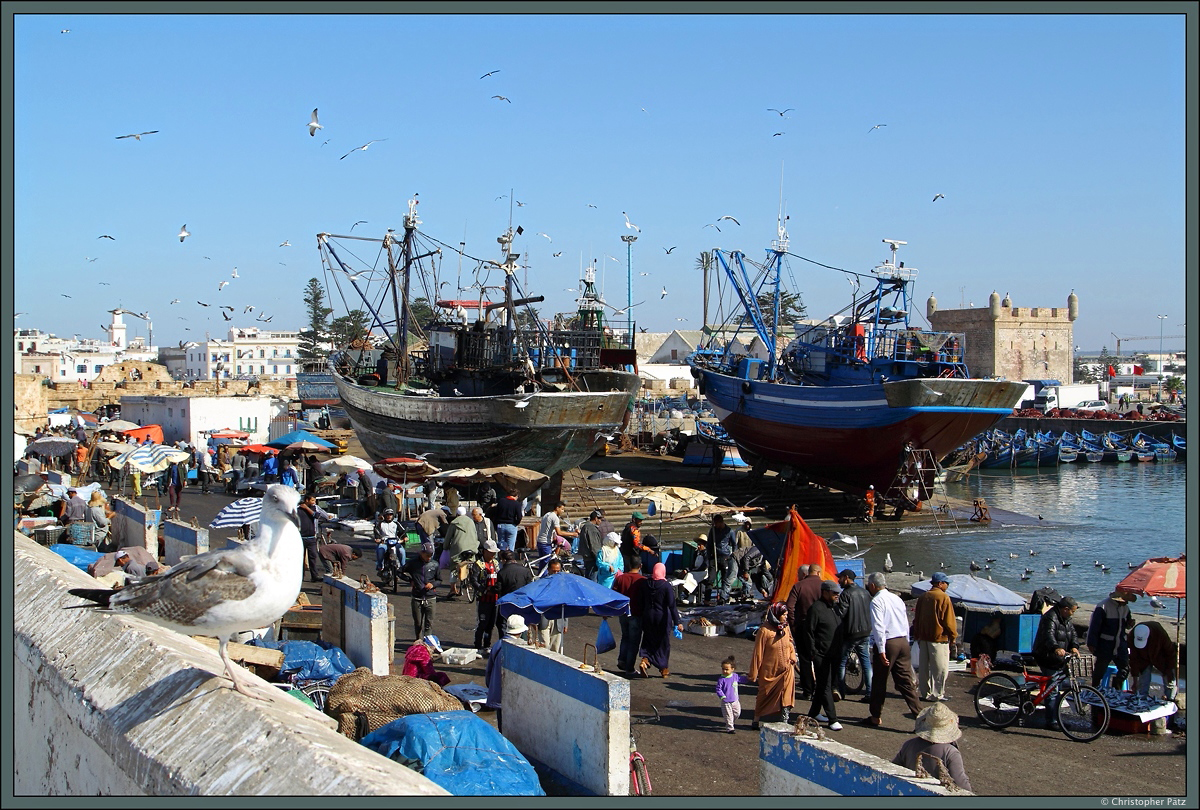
629,240
1161,318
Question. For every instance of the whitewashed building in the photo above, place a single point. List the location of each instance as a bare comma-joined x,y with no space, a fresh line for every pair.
78,359
188,418
248,353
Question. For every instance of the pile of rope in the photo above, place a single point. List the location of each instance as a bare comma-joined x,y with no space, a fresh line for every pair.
361,702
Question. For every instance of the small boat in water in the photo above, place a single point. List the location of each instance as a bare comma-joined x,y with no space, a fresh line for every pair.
1180,445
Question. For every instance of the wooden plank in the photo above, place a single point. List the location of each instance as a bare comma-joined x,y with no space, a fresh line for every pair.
248,654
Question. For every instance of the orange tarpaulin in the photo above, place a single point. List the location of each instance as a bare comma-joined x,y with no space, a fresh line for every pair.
803,547
153,431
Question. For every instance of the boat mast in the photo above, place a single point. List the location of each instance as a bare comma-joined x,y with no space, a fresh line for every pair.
410,225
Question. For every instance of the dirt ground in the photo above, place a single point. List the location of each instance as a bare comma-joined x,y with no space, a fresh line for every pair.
687,754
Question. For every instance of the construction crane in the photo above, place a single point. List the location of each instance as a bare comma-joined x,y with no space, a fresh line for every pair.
1121,340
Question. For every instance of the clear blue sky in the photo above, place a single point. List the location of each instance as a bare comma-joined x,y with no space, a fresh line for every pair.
1057,140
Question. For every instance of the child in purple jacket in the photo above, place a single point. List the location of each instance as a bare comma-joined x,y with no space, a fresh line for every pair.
727,690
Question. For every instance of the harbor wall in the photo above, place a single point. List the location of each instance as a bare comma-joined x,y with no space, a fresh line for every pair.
135,525
579,731
806,766
181,540
359,622
30,403
118,706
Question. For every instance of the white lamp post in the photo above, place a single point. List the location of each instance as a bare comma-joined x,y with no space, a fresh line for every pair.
1161,318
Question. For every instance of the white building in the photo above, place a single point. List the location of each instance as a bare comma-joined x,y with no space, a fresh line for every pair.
682,342
248,353
75,358
188,418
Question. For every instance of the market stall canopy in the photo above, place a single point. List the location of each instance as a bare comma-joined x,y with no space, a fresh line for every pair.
669,500
345,464
149,458
404,469
258,448
153,431
308,446
515,480
709,509
299,436
120,425
113,447
1158,576
563,596
238,513
52,446
974,593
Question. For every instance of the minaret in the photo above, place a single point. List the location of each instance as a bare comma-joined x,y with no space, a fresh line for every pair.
116,331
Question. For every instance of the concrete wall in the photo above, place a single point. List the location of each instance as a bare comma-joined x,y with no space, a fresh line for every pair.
135,525
182,540
805,766
29,401
108,704
580,730
358,622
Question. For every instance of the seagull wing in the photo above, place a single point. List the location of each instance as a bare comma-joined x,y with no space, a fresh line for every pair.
731,219
190,589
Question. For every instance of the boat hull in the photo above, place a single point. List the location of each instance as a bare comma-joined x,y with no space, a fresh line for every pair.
546,432
850,437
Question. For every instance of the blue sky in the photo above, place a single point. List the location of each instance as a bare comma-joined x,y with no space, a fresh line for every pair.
1057,140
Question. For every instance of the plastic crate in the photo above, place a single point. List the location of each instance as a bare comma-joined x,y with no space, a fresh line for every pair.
48,535
1083,666
81,534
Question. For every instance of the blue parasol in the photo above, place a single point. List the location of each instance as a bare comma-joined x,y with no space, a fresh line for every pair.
299,436
562,596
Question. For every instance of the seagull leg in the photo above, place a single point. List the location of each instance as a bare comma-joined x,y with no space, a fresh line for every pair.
239,684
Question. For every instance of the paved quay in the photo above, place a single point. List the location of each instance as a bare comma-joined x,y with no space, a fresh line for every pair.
688,755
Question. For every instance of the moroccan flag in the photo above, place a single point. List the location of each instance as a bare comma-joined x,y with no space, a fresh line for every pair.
1138,370
1112,372
802,547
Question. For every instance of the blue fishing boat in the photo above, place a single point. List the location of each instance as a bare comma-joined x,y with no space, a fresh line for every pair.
849,399
1180,445
1161,450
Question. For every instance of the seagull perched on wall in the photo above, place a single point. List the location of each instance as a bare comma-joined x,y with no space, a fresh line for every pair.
221,593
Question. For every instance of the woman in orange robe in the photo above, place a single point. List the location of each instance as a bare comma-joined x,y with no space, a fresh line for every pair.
773,664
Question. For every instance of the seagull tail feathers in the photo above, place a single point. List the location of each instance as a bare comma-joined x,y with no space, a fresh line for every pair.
97,596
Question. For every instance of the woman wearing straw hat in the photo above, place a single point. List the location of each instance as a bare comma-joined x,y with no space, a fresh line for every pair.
101,515
936,731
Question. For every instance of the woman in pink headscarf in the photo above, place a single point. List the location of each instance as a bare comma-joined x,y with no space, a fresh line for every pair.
659,616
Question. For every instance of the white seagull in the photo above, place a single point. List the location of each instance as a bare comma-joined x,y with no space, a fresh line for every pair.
664,294
556,255
233,274
362,148
489,73
285,243
877,126
221,285
221,593
360,222
175,301
548,239
313,126
710,225
939,197
137,136
781,112
502,98
106,236
731,219
668,250
629,224
183,232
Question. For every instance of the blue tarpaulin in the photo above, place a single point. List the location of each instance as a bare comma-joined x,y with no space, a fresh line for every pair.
77,556
298,436
315,660
457,751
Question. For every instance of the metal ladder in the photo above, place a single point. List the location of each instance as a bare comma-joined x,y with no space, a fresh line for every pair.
920,461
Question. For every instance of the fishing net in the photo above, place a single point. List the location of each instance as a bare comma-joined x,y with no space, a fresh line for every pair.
380,699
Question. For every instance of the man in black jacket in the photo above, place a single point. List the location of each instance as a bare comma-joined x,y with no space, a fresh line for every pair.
855,606
824,631
423,571
513,575
1055,638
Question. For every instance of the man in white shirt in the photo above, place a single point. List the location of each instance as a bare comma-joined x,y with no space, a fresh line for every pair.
890,648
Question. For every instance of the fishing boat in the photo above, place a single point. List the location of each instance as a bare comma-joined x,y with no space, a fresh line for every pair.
853,400
1160,450
1069,441
1180,445
501,389
1103,444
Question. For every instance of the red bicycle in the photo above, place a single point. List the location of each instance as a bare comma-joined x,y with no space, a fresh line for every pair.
1082,710
639,778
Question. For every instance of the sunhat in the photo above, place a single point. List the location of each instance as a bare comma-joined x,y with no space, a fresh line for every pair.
937,724
515,625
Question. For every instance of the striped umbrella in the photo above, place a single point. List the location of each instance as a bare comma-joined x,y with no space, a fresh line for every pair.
238,513
149,458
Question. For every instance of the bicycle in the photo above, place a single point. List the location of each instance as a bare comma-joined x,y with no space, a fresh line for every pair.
460,575
855,674
1082,710
316,690
639,777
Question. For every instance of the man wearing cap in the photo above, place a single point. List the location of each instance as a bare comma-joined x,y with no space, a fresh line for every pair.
854,604
935,732
1108,635
889,639
1152,649
484,576
590,539
493,674
722,546
422,571
631,538
934,628
824,637
76,508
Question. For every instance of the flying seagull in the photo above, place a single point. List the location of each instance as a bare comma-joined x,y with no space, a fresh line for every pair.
64,295
233,274
877,126
547,237
777,134
221,285
939,197
104,284
249,308
519,203
589,205
106,236
313,126
201,303
176,301
781,112
327,140
360,222
224,306
138,136
556,255
643,274
285,243
664,294
226,316
65,31
629,224
355,276
89,258
361,148
710,225
668,250
221,593
489,73
731,219
183,234
502,98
